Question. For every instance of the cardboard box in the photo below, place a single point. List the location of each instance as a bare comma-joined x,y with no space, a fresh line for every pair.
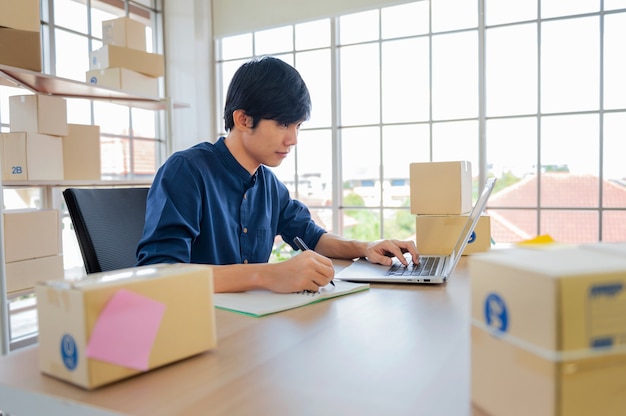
81,153
23,275
31,156
31,233
441,188
124,32
20,49
21,15
548,332
110,56
125,80
37,113
437,234
109,326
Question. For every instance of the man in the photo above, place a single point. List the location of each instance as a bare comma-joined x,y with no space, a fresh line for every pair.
219,204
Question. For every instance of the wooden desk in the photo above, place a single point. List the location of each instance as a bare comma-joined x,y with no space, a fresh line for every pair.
394,349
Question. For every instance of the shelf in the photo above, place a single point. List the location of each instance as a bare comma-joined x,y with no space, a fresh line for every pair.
76,183
40,83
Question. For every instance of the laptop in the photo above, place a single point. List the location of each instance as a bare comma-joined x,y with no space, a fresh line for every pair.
432,269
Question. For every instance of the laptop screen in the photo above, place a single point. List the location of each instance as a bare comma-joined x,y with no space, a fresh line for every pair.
472,220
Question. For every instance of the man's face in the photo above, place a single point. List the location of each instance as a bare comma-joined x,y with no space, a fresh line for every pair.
270,142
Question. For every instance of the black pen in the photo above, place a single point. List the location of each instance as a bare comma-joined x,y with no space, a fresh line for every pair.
303,247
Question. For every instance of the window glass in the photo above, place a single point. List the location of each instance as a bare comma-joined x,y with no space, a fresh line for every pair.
359,27
361,175
115,153
405,80
405,20
313,35
144,122
614,168
555,8
360,84
511,68
71,14
402,145
315,167
614,62
613,226
512,156
570,155
614,4
234,47
144,158
315,69
78,111
558,224
72,55
499,12
454,14
570,65
511,225
455,76
456,140
112,118
360,224
268,42
398,224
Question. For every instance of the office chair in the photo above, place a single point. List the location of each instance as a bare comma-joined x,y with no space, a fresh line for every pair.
108,223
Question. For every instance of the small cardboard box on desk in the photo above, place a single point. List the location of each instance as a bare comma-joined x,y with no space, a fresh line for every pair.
112,325
549,331
441,188
437,234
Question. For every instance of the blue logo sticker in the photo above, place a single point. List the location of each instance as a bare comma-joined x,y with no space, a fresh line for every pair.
69,352
496,314
472,238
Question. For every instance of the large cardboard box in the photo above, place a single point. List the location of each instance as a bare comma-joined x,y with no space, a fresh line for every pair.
31,233
109,326
548,332
125,80
23,275
441,188
124,32
110,56
81,153
38,113
31,156
21,15
437,234
20,49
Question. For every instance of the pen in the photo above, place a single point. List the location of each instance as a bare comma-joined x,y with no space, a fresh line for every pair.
303,247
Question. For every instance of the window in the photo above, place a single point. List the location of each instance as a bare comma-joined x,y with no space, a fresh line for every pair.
532,95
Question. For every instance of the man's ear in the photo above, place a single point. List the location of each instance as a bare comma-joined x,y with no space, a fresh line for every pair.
242,120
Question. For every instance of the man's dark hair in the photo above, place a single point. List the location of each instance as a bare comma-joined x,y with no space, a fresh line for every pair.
270,89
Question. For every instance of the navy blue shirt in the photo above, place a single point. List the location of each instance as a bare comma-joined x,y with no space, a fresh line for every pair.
204,207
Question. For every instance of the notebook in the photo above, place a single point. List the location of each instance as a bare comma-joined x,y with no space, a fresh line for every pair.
264,302
442,266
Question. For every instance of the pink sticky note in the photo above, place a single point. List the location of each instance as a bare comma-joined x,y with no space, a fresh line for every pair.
125,330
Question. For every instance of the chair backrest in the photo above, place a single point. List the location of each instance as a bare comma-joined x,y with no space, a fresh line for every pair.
108,223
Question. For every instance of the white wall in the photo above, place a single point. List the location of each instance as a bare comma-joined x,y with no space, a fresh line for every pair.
239,16
190,70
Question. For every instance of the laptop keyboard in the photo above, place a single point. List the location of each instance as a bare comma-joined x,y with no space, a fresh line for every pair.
426,267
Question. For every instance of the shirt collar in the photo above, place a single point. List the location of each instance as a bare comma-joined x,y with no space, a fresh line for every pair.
234,166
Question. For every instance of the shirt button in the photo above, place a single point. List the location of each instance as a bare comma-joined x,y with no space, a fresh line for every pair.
245,195
245,261
245,230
